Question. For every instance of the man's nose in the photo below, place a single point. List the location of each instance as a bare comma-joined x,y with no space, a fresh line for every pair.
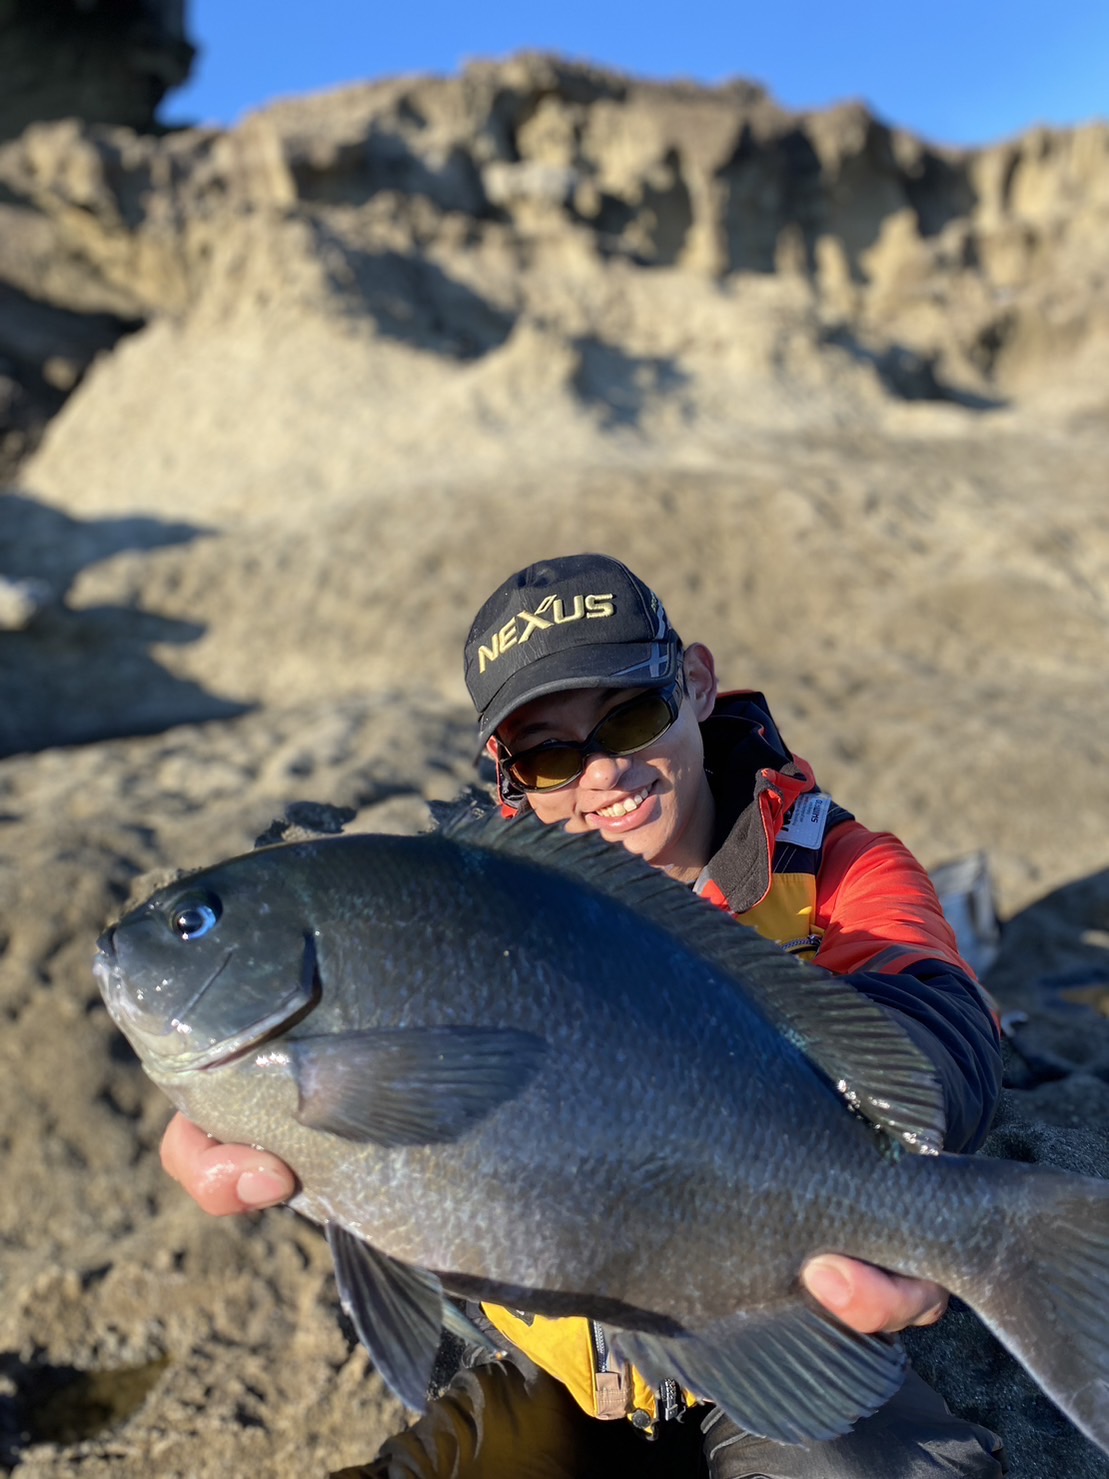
603,772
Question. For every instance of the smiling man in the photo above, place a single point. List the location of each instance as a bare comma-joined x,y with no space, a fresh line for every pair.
597,718
656,801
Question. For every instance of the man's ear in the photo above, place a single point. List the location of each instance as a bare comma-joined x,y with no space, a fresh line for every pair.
491,749
700,679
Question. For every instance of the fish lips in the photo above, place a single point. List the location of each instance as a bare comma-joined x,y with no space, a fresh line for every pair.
172,1042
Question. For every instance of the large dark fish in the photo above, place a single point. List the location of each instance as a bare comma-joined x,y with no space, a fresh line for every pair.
518,1065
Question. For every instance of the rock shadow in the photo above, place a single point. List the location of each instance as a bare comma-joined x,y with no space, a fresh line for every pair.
782,184
653,228
388,160
412,299
619,386
1055,952
74,676
766,186
909,375
65,1405
41,543
45,351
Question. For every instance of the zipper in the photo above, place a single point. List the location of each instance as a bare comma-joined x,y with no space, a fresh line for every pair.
669,1400
610,1387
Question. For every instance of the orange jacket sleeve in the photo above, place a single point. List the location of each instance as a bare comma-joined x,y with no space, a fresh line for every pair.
877,907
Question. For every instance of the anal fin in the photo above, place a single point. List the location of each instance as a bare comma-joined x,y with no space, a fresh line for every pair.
396,1311
791,1374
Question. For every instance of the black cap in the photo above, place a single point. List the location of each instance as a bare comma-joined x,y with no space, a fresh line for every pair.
582,621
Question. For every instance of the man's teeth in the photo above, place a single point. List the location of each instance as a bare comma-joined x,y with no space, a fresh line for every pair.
622,808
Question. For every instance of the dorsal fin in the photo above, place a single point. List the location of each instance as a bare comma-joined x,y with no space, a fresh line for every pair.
863,1051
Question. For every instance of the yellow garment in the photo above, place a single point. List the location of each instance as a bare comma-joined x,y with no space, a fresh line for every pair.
786,914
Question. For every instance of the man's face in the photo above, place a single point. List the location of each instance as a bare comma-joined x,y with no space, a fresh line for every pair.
656,802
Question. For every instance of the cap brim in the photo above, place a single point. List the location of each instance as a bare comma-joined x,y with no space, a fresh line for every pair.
622,665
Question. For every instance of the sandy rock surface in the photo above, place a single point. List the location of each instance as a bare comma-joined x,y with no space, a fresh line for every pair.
839,396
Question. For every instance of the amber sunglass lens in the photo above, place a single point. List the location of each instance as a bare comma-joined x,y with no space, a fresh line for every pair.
548,768
635,725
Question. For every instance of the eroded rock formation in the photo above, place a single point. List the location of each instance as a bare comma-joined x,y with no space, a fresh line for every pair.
442,211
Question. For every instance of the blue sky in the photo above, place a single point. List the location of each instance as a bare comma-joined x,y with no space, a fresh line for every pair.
957,73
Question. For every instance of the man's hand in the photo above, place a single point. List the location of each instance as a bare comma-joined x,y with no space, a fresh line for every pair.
223,1178
869,1299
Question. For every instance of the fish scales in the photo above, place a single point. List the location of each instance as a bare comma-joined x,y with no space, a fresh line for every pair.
533,1067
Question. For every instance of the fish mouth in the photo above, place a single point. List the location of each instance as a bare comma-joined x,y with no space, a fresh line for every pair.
175,1045
180,1022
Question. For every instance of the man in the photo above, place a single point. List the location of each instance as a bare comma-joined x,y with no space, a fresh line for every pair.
597,719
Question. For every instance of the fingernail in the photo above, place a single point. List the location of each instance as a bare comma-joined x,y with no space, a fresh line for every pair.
828,1284
262,1188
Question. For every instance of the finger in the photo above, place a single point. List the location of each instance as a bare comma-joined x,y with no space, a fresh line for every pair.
868,1299
223,1179
181,1143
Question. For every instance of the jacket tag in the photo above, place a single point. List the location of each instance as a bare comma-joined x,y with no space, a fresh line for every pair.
807,819
612,1399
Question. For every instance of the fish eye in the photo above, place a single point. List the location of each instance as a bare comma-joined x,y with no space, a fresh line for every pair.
195,917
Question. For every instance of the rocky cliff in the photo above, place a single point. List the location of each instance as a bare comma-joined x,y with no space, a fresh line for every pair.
624,219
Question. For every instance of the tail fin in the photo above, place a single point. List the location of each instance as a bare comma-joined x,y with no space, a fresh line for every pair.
1047,1298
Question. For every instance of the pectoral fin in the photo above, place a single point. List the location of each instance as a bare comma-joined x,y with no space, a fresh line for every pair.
410,1086
791,1375
396,1311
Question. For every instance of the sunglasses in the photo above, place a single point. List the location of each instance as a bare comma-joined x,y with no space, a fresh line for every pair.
624,730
